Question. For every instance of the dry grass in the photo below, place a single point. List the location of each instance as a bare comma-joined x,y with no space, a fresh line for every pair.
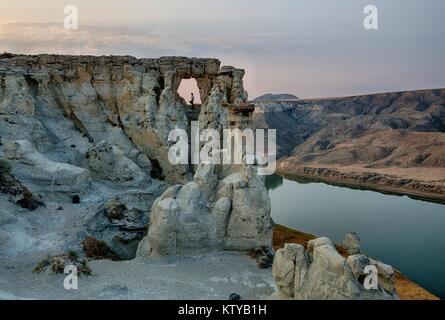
406,289
57,263
98,249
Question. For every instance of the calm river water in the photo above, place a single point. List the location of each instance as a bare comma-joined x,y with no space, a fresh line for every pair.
405,233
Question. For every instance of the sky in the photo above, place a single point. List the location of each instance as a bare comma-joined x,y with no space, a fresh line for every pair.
310,48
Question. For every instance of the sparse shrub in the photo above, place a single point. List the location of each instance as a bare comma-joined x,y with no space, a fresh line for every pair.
98,249
263,256
58,266
76,199
28,201
73,254
5,166
115,210
57,263
42,264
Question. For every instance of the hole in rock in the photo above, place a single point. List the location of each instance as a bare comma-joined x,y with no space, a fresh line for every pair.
186,88
33,86
156,170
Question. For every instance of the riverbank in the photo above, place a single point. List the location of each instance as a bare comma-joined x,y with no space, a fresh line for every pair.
427,187
406,289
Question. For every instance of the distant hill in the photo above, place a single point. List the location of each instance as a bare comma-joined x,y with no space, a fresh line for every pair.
279,96
399,133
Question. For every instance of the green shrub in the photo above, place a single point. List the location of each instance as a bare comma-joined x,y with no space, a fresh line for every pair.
28,201
73,254
5,166
57,263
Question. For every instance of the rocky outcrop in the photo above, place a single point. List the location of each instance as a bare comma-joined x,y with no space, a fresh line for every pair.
122,221
322,273
96,128
351,243
129,103
224,207
210,213
48,175
109,163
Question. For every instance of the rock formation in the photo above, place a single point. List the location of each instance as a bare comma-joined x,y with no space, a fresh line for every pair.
97,128
210,213
322,273
351,243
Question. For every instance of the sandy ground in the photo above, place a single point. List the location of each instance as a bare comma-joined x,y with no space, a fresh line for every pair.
212,276
34,235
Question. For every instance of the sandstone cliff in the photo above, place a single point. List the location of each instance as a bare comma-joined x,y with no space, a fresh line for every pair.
96,128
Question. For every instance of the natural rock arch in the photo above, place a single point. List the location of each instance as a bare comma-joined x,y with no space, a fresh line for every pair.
188,86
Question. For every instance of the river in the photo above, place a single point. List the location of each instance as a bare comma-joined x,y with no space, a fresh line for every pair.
405,233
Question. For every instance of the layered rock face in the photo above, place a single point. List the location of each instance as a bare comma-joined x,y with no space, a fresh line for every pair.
98,127
130,103
321,273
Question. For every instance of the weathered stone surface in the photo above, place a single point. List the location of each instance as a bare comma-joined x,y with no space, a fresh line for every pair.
351,243
108,162
44,172
163,232
128,102
283,269
191,219
122,221
357,263
99,126
322,273
4,237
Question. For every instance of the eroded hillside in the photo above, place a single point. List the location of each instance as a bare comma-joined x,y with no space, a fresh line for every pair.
395,139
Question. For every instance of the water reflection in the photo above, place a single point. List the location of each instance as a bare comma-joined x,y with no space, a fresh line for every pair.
273,182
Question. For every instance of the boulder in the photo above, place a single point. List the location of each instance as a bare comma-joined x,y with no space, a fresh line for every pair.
45,173
351,243
283,269
204,215
322,273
